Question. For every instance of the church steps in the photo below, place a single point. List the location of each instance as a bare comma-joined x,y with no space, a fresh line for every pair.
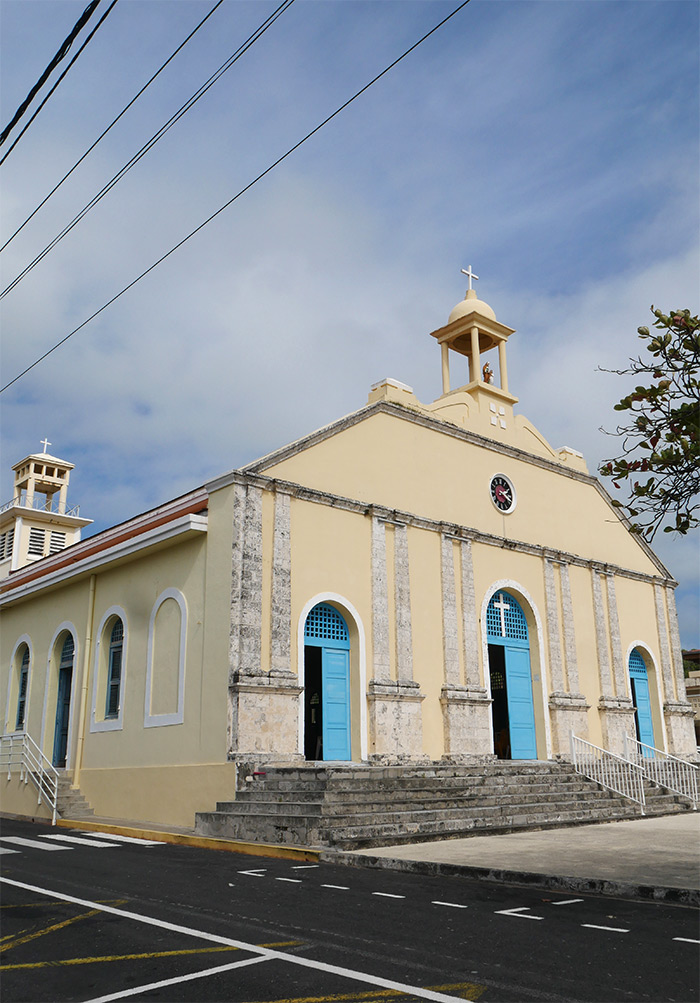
70,801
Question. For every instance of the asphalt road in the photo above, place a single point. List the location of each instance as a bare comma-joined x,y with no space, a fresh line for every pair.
132,920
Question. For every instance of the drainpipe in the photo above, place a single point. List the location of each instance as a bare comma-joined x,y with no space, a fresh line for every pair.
84,681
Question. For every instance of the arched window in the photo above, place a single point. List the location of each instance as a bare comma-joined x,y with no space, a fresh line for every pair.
22,692
114,669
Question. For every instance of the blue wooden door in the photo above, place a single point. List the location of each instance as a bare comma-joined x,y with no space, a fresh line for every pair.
506,627
60,742
336,703
641,699
521,711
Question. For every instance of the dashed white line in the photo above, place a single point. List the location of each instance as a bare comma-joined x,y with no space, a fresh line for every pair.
33,843
340,888
6,849
77,840
518,913
609,929
567,902
388,895
687,940
294,881
453,905
304,867
258,873
123,839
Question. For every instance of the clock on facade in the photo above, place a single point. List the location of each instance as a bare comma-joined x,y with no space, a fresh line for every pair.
502,493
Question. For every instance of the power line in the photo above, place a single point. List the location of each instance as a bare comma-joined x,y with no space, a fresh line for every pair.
238,194
111,124
191,101
61,54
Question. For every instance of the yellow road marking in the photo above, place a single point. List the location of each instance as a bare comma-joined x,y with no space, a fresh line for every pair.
42,905
136,957
47,929
474,990
11,936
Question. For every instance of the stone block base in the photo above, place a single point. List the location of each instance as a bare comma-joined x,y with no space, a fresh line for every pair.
617,720
567,713
264,717
466,715
395,721
680,730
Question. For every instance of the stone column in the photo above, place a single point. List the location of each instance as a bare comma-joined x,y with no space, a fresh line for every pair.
622,687
567,710
263,706
664,652
616,714
465,709
281,604
396,726
678,714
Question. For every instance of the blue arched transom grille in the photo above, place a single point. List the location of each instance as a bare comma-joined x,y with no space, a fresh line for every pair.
505,619
325,626
67,651
637,664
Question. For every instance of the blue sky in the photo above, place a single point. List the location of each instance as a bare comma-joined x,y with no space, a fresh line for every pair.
552,145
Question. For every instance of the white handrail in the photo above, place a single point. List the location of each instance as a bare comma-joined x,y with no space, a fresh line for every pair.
608,770
21,752
665,770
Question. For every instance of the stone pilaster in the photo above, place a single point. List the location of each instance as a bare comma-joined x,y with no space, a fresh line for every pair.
402,592
263,706
470,631
622,688
678,714
616,714
281,603
664,651
450,637
567,609
567,710
380,604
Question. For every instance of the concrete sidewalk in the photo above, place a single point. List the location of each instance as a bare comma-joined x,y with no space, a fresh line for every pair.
657,858
649,858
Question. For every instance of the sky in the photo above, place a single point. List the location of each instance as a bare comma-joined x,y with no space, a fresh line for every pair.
551,145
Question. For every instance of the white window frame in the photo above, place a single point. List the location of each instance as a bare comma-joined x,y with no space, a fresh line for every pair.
109,723
162,720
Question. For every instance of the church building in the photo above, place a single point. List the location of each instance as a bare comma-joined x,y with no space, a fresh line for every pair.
411,583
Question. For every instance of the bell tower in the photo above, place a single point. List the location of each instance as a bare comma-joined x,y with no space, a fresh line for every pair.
473,331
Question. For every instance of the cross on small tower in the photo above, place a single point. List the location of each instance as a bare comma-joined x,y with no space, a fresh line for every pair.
470,274
502,606
45,443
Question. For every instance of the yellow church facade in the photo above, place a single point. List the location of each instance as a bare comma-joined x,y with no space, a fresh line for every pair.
410,583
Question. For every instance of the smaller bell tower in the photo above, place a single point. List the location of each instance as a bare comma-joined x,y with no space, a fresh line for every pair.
38,521
473,331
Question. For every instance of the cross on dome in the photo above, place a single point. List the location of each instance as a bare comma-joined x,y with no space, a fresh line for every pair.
45,443
470,274
502,606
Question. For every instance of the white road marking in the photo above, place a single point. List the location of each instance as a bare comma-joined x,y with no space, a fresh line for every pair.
388,895
341,888
610,929
33,843
295,881
567,902
304,867
259,873
453,905
264,952
687,940
123,839
172,982
518,913
78,840
6,849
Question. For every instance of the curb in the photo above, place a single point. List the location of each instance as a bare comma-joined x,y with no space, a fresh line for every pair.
187,839
495,875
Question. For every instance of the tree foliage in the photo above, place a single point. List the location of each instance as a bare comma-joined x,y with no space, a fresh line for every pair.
660,457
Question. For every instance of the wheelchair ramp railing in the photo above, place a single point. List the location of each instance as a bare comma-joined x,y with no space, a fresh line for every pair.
665,770
20,753
610,771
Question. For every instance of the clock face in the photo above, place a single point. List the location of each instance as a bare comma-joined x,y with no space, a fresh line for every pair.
502,493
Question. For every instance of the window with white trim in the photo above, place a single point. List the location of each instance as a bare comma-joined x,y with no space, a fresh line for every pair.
114,669
22,689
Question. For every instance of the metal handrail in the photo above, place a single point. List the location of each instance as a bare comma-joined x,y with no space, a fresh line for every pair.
667,771
21,752
610,771
41,505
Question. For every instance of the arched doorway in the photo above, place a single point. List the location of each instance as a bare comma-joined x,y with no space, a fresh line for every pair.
641,698
65,681
512,710
326,685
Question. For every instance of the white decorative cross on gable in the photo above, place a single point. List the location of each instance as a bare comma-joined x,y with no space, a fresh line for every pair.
470,274
45,443
502,606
